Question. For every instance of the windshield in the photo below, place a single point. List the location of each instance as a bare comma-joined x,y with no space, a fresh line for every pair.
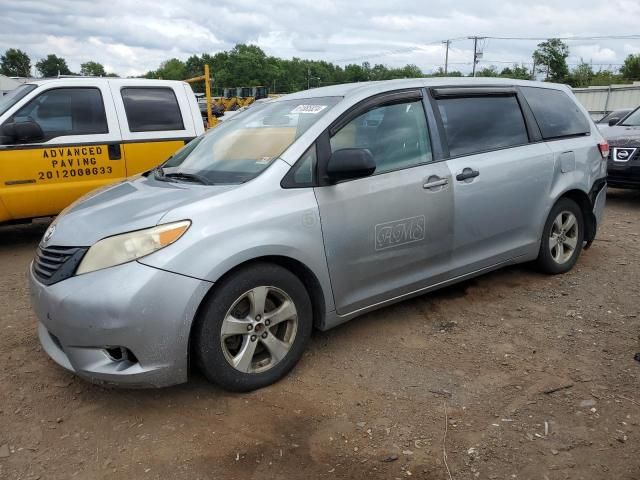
11,98
244,145
633,120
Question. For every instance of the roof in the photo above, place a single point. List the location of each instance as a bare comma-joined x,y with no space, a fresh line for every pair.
94,80
364,89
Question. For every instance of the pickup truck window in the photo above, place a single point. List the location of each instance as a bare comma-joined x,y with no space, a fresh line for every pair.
65,111
245,145
14,96
151,109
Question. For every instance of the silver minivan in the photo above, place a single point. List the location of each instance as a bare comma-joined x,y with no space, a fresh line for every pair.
306,211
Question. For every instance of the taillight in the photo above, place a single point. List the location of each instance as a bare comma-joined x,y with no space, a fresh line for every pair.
604,150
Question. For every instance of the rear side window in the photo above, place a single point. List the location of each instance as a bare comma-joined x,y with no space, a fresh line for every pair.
151,109
477,124
66,111
557,114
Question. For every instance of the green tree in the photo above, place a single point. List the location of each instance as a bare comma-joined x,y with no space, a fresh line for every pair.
550,58
606,77
631,68
450,73
581,76
519,72
92,69
490,71
249,66
173,69
53,65
408,71
15,63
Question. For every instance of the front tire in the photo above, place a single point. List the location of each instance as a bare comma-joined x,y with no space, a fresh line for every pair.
562,238
254,328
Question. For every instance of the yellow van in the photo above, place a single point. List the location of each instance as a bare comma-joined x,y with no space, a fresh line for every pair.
61,138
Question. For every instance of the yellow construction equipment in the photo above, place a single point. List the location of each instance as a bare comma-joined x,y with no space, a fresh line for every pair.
211,120
232,99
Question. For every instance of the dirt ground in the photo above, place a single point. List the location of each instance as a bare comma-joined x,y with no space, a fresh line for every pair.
371,399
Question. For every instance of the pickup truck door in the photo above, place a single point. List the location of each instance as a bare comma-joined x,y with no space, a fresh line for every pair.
155,121
80,150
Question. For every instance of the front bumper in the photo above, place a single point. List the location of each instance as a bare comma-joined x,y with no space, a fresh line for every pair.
624,174
143,309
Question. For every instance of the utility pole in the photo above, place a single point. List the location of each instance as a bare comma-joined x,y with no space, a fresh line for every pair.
446,56
476,54
533,70
308,78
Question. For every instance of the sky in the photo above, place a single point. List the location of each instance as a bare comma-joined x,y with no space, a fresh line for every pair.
132,37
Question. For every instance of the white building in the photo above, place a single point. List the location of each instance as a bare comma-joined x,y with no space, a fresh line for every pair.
602,100
7,84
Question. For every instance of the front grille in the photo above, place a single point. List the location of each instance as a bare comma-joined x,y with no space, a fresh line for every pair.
632,151
54,264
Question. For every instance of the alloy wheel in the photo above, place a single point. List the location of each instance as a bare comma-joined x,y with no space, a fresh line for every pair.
259,329
563,239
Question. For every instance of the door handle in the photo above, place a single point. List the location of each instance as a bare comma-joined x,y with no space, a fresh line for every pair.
466,174
438,182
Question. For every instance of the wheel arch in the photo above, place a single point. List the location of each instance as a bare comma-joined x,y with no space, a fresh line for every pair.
584,202
299,269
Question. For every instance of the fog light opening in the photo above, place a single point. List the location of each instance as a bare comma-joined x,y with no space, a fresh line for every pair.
120,354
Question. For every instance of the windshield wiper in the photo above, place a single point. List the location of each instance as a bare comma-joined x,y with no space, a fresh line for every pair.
158,174
188,177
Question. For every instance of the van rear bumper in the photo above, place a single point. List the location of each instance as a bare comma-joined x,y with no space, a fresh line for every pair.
599,204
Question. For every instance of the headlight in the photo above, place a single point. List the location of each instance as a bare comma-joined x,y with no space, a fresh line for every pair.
126,247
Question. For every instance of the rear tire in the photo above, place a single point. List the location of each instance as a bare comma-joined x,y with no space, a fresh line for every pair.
562,238
254,328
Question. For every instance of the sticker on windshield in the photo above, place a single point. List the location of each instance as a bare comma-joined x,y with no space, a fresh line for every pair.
313,109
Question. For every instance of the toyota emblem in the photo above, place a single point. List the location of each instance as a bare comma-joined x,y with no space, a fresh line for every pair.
48,234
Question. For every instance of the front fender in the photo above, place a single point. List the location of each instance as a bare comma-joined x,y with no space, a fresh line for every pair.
281,222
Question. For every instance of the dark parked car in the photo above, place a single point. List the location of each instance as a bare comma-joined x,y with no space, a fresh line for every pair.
624,157
613,118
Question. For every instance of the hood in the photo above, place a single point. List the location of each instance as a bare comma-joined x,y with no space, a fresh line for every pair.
126,206
621,135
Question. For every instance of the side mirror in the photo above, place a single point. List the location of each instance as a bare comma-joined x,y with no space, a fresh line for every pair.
23,132
350,163
613,121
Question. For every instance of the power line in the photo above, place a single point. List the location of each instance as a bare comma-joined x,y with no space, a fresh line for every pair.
478,48
389,52
530,63
597,37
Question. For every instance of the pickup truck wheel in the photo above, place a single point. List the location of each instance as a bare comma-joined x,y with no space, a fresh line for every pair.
562,238
253,329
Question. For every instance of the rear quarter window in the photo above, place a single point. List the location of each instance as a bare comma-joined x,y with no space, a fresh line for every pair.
556,113
151,109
